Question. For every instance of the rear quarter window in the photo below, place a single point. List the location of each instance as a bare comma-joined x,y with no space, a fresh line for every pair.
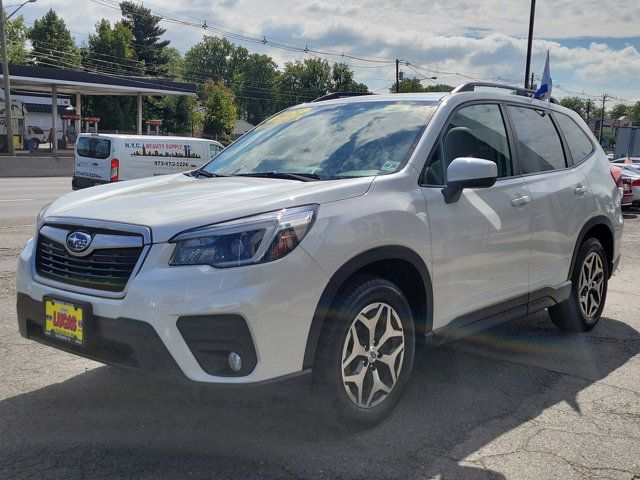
579,144
94,147
539,145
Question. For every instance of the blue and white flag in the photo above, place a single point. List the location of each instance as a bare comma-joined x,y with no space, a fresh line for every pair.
544,92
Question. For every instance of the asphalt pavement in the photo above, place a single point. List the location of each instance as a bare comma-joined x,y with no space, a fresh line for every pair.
519,401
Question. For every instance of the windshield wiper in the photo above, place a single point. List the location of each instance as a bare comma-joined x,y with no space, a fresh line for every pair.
204,173
302,177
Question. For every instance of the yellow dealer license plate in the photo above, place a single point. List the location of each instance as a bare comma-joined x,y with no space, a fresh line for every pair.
65,321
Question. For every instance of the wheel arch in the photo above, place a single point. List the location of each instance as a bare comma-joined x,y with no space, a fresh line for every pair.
399,264
601,228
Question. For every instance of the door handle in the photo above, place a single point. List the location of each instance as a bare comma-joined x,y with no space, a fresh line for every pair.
518,201
580,189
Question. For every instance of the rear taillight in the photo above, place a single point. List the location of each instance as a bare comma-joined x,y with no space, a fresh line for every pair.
616,173
115,167
636,183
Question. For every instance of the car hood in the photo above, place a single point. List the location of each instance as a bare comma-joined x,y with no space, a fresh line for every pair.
173,203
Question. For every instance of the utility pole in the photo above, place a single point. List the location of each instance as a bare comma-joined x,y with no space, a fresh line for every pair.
588,110
8,118
529,44
604,100
397,74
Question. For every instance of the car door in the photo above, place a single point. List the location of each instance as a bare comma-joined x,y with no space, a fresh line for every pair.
561,198
480,243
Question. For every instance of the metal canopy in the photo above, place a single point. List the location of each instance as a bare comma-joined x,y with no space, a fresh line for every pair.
41,79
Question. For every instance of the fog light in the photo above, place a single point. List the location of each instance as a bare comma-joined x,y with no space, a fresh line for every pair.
235,361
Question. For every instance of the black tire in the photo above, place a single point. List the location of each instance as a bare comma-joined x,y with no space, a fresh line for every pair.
330,394
569,316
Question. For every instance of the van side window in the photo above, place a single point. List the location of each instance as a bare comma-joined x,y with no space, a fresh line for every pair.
476,131
214,150
579,144
540,148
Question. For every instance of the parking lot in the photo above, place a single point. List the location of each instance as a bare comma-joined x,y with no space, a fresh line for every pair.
519,401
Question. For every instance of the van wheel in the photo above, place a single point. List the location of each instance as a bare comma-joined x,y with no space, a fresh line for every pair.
365,353
590,278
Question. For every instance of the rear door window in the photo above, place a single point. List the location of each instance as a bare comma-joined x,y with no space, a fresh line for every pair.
540,148
94,147
579,144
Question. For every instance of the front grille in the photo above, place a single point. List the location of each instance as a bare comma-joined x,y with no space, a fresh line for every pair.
103,269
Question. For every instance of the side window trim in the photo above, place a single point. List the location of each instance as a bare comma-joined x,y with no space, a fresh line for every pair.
568,156
512,140
516,141
511,143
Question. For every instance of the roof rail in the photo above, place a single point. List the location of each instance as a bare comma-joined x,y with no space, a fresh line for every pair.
334,95
523,92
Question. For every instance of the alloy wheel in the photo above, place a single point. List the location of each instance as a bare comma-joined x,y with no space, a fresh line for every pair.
372,355
591,285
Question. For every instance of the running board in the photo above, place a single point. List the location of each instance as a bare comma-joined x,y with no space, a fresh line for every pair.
493,315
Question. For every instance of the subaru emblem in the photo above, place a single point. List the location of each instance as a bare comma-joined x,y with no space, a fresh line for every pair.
78,241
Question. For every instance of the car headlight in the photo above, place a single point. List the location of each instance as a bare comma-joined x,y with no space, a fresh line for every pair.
257,239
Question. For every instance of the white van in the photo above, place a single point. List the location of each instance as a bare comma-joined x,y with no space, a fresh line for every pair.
103,158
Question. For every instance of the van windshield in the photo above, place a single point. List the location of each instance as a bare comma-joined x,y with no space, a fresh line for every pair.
327,141
93,147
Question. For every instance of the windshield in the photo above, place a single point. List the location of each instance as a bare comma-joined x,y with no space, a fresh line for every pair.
344,140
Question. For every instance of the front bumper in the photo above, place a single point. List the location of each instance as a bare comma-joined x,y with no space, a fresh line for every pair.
163,325
117,341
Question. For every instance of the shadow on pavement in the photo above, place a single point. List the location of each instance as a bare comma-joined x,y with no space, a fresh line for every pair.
110,423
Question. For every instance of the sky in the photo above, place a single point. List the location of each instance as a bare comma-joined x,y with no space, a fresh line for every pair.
594,44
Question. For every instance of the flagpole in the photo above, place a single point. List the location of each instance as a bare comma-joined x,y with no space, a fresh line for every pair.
529,44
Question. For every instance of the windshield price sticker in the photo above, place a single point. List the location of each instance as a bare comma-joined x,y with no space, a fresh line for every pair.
390,166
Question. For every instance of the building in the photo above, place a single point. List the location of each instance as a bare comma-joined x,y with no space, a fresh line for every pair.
610,125
242,127
628,142
38,107
60,85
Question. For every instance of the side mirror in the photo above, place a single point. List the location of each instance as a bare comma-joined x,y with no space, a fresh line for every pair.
465,172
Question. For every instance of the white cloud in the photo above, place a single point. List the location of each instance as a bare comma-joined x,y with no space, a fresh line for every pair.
483,38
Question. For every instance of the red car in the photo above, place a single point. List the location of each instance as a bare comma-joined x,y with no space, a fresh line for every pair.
624,185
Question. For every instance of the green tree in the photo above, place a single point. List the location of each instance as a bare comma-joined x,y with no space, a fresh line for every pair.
254,87
619,110
220,110
407,85
214,58
115,112
53,45
178,115
174,64
578,105
303,81
16,32
595,112
109,42
634,113
343,81
438,87
146,35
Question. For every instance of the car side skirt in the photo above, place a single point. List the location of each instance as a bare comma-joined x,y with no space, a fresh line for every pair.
493,315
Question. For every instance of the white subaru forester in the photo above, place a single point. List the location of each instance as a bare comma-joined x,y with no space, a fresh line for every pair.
329,240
